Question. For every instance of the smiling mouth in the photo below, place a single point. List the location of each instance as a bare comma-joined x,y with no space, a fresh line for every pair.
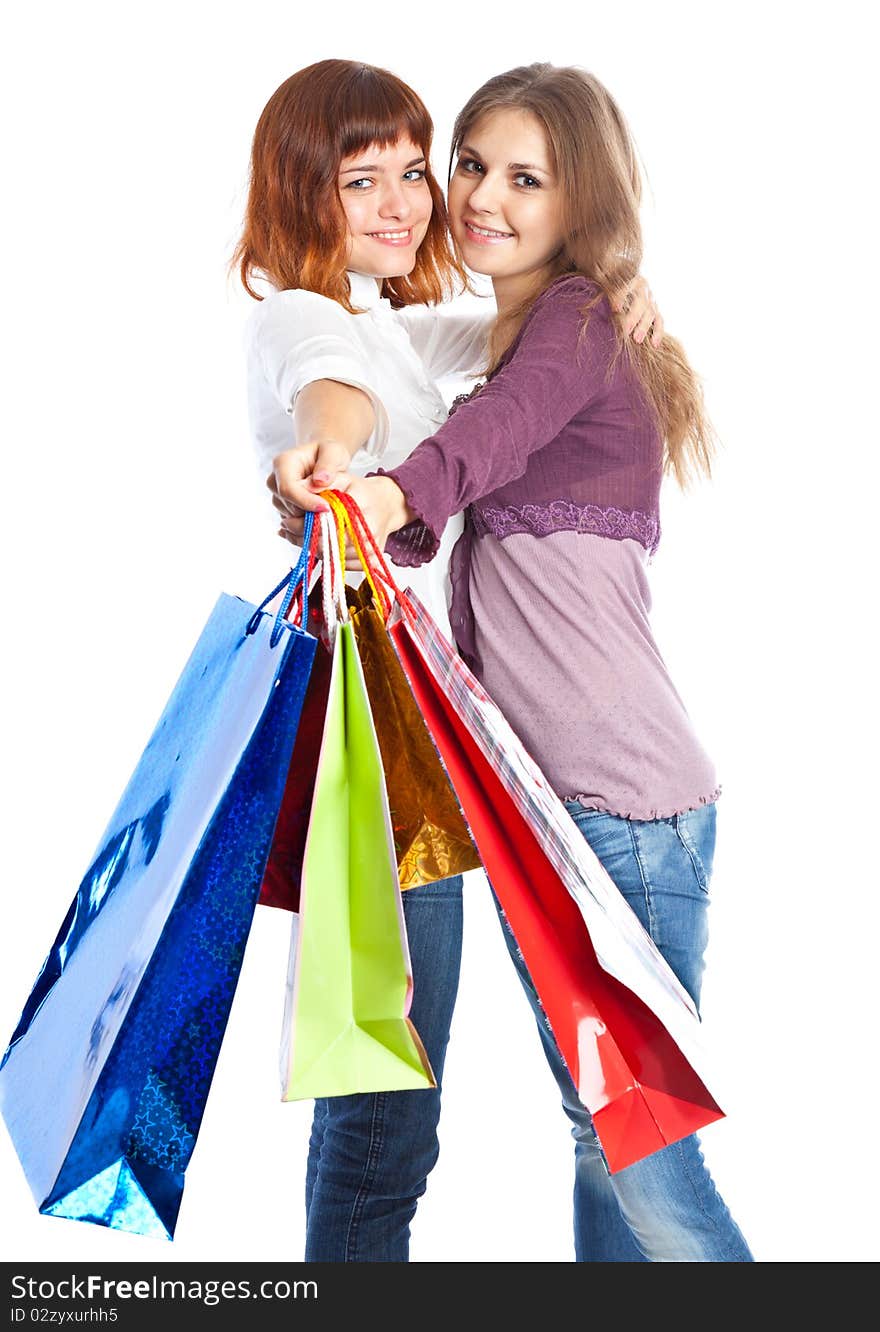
487,233
392,237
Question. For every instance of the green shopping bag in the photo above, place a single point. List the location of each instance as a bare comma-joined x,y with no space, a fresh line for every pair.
349,988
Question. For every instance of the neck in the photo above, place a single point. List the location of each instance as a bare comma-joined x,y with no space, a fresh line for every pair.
378,280
512,290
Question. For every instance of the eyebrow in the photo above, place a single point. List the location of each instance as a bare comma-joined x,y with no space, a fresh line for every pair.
511,166
417,161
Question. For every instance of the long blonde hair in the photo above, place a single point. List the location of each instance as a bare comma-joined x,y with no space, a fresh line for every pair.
595,161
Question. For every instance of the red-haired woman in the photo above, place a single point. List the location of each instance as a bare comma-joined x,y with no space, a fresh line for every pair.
557,460
347,225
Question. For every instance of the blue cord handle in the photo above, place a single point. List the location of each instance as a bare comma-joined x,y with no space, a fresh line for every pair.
298,574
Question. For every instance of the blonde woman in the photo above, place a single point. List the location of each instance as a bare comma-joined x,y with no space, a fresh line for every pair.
556,462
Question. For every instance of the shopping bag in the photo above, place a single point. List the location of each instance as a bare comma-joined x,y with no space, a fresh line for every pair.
105,1079
281,877
346,1026
431,838
627,1029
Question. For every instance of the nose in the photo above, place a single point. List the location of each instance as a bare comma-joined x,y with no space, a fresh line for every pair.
394,202
483,198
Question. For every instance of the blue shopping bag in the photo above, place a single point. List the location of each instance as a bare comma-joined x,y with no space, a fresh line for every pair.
104,1083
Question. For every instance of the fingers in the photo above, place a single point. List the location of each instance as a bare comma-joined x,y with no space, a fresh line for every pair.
644,325
285,507
622,298
328,460
630,303
639,313
302,497
640,306
291,481
292,529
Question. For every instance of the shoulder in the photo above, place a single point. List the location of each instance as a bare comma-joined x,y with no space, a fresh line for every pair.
570,298
559,317
305,311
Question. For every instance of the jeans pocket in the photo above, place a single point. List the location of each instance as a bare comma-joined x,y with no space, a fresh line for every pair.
598,828
695,830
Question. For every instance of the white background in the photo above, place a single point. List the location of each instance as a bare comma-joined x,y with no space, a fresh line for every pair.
130,500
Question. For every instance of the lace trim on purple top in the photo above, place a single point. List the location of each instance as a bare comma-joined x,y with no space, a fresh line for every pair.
565,516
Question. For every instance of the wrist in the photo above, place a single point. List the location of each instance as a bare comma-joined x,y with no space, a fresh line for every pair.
399,512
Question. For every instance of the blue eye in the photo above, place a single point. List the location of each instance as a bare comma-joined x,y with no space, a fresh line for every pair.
417,173
356,184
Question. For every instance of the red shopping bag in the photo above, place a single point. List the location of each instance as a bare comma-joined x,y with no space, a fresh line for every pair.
625,1026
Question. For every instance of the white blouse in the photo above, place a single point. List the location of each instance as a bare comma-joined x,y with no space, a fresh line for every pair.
396,357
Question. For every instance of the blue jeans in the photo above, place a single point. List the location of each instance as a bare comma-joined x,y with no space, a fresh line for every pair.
370,1155
664,1208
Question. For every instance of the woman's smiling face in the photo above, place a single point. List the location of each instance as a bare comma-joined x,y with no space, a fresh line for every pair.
505,203
387,205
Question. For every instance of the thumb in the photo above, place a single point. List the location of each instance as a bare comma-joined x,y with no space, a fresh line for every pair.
328,461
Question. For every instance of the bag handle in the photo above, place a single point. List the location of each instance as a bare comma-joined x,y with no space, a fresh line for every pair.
346,518
346,527
296,581
333,582
364,537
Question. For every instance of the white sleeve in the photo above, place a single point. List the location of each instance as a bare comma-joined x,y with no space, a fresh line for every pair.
449,343
297,337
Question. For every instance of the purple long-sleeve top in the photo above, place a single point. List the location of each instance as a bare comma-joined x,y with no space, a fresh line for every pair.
557,461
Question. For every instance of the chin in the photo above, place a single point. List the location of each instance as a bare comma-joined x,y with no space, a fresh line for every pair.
398,272
397,266
482,263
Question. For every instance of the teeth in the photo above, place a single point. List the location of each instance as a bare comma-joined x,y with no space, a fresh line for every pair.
390,235
483,231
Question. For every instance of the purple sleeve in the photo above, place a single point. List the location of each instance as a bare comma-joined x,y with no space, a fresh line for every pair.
551,375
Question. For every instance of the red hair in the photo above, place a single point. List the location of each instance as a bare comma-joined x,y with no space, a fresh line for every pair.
295,232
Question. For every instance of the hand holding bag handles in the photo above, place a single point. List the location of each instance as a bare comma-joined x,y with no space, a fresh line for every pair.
431,838
430,835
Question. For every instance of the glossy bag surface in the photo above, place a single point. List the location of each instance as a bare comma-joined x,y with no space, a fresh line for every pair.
106,1077
627,1029
431,838
349,983
283,872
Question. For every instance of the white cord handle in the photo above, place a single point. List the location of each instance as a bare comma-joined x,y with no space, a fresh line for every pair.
332,573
